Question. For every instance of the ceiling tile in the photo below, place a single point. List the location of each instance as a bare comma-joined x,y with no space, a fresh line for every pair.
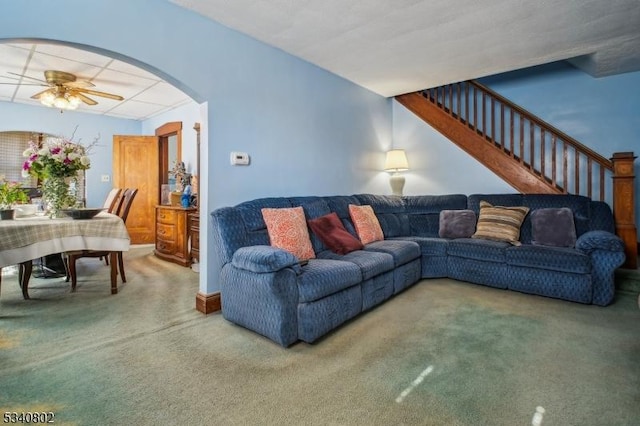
145,94
77,55
162,94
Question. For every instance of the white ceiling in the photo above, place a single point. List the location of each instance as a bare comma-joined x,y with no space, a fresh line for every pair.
389,47
401,46
145,95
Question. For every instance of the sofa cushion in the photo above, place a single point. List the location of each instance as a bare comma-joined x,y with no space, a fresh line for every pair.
333,234
401,250
478,249
424,212
370,263
579,205
553,227
251,211
287,230
390,212
366,223
313,207
500,223
322,277
430,246
457,223
552,258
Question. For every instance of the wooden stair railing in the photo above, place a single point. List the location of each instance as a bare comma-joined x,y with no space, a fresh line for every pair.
528,153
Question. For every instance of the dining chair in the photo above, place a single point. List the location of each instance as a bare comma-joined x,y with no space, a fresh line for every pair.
124,207
111,202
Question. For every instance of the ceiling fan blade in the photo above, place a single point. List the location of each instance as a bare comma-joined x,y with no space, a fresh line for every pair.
37,95
96,93
27,84
87,100
80,84
26,76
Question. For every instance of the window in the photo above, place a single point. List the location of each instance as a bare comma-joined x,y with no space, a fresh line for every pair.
12,145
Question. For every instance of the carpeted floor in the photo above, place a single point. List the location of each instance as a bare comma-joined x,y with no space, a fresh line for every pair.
441,353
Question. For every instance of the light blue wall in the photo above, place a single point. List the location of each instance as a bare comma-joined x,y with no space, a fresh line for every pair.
437,165
87,127
602,113
307,130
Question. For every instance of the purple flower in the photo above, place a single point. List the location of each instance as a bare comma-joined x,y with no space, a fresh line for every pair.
26,165
55,150
33,157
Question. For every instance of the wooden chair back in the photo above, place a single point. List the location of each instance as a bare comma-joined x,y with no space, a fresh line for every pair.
127,200
112,199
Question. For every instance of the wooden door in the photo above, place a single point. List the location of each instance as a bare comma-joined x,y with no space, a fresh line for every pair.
136,164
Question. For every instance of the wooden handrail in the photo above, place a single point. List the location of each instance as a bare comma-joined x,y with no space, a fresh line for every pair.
529,140
543,124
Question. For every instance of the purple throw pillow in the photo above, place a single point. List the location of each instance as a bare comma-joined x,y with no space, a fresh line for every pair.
553,227
333,234
457,223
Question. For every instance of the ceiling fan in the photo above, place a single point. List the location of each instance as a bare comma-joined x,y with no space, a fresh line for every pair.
65,90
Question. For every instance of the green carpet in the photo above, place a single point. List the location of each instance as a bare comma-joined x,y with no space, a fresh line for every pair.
441,353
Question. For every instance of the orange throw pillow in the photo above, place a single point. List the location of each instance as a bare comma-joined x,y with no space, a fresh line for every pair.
366,223
287,228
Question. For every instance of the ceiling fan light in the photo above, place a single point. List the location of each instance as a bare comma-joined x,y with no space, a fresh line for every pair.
47,99
60,102
74,102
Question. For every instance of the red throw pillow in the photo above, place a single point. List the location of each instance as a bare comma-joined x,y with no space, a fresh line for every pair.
333,234
287,230
366,223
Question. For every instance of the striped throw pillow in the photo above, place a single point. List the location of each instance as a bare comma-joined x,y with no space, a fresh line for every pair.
499,223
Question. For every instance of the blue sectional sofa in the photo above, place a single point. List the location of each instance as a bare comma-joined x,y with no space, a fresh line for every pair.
267,289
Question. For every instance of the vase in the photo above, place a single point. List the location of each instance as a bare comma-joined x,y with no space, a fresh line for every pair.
57,196
6,214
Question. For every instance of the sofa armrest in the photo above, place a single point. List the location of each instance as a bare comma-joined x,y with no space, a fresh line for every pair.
599,240
606,251
264,259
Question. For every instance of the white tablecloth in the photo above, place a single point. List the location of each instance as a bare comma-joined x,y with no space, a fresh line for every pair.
28,238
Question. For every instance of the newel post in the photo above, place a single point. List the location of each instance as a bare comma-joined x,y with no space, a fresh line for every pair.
624,205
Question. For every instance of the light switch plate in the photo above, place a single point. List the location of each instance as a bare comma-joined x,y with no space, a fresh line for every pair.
239,158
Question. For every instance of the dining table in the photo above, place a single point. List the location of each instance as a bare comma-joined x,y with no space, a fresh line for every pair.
24,239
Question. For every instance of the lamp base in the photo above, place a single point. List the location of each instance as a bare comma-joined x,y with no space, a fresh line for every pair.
397,183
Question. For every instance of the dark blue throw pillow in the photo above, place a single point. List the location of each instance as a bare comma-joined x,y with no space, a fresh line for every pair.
457,223
553,227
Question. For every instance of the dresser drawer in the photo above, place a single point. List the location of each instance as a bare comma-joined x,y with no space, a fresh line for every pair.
166,247
172,234
166,216
195,238
166,233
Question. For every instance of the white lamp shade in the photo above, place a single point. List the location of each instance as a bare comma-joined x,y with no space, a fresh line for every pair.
396,161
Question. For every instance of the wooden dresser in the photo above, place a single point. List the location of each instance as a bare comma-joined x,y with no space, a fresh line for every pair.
172,234
194,235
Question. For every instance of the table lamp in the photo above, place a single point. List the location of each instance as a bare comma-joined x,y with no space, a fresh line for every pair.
395,163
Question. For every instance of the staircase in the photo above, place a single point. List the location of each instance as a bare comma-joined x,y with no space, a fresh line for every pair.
528,153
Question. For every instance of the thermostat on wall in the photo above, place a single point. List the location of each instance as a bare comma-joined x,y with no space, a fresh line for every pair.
239,159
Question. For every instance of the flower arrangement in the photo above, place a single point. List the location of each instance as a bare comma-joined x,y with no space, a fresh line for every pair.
56,164
57,157
11,193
